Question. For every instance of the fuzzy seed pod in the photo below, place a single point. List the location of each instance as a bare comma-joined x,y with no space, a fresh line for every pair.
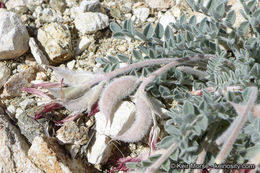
72,77
115,91
86,101
142,123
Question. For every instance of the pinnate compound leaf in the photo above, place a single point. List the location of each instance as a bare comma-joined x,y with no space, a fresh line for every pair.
115,91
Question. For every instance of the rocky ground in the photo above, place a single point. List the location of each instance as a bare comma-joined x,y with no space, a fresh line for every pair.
71,34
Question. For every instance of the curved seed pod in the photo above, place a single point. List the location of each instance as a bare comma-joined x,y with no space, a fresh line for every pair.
86,101
115,91
141,125
72,77
68,92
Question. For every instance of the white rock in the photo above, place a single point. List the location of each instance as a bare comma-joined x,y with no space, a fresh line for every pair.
71,64
25,103
4,74
166,19
58,5
100,151
83,44
47,154
91,22
14,37
13,150
123,117
142,13
159,4
37,53
56,40
32,4
16,5
90,6
11,109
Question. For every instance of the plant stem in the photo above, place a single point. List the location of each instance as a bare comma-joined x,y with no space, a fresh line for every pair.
130,67
243,115
167,67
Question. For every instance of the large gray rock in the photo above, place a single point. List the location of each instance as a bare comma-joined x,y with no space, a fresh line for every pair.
49,156
14,37
91,22
14,149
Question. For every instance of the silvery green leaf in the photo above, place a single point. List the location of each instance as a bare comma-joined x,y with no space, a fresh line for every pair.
119,35
166,165
257,14
159,31
243,28
251,5
251,152
101,60
220,10
137,54
141,35
166,142
193,20
115,27
231,17
168,33
203,25
123,57
148,31
112,59
152,54
188,108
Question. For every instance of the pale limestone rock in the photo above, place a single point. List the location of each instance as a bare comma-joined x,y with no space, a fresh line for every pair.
166,19
47,155
58,5
14,37
4,74
142,13
122,119
71,64
83,44
13,87
90,22
90,6
37,53
13,150
160,4
25,103
18,6
56,40
71,133
32,4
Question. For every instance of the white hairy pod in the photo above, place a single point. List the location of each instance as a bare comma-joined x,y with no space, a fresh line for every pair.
115,91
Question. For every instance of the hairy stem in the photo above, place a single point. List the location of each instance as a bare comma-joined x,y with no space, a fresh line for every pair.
167,61
231,139
200,74
167,67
